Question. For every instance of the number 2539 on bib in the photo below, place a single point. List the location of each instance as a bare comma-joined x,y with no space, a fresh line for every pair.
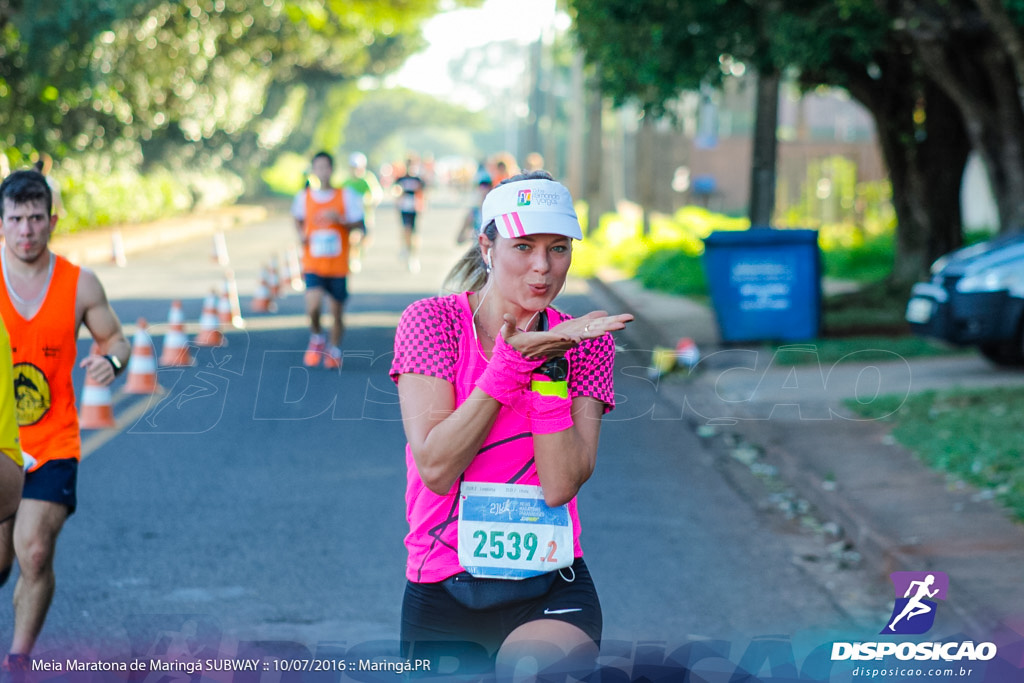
507,531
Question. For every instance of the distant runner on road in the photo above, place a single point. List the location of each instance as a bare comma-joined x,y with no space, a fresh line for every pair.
365,183
324,218
410,203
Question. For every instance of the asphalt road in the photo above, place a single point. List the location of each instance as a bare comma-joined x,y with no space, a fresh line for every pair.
254,500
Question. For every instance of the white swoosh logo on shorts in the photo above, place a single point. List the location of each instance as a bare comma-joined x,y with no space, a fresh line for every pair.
563,611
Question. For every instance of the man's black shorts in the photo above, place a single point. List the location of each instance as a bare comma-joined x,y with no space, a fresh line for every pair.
409,220
337,287
433,620
54,481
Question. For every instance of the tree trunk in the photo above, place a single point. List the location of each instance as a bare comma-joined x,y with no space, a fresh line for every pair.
577,122
975,63
765,152
646,175
925,165
593,168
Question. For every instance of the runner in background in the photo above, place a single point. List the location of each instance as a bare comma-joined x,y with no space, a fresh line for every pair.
365,183
324,217
410,188
472,224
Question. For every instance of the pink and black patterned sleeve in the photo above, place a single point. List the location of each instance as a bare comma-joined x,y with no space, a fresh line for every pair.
426,340
592,369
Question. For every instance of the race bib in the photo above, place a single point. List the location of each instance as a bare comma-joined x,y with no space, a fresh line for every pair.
325,243
507,531
407,202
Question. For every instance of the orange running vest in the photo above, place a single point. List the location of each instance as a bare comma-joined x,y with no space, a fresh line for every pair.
44,349
326,250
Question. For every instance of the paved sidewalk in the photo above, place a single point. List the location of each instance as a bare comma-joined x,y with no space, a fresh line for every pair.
899,514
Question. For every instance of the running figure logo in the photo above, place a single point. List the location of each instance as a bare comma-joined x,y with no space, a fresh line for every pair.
914,612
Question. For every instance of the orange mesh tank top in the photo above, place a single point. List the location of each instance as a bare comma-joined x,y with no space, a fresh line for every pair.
43,349
326,251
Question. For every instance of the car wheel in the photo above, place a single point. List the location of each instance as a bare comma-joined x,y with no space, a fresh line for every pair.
1010,353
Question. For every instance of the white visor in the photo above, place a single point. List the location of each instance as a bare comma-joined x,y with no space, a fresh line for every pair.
531,207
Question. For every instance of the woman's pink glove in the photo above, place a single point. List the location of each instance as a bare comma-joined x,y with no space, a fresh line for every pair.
508,373
549,414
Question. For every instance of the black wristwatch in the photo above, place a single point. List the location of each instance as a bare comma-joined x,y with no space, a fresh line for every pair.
115,363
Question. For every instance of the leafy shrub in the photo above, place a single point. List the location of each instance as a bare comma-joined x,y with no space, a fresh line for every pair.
97,195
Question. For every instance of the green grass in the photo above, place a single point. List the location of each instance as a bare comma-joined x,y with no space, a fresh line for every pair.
862,349
876,307
973,435
868,259
675,272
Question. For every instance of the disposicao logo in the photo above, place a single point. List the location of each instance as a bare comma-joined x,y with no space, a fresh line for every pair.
914,612
523,198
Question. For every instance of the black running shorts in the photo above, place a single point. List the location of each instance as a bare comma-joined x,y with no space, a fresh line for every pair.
434,625
54,481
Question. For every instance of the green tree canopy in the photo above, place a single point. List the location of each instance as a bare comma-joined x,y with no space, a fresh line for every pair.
213,80
888,54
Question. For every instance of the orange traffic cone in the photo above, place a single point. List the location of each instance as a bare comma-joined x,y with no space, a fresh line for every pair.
175,350
224,306
261,299
209,323
97,409
231,289
142,364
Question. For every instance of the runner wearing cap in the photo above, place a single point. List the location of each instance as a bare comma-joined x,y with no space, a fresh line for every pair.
502,398
365,184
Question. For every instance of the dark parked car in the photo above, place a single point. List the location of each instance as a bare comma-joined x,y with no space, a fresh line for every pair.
976,298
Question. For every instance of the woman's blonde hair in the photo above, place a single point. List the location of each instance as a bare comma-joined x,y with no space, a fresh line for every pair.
469,274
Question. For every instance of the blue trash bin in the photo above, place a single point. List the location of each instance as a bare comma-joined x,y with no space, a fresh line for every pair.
765,283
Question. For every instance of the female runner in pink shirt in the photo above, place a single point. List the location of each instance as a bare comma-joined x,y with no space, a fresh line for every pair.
502,398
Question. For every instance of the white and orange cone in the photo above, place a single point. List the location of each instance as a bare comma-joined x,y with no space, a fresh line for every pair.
142,364
231,288
224,306
97,408
209,323
261,299
175,351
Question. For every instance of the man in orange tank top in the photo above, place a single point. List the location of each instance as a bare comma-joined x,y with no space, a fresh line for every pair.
324,217
44,301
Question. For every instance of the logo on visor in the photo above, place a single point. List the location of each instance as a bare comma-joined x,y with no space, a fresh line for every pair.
523,198
914,612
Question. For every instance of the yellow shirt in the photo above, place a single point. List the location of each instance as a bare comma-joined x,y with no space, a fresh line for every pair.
10,444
